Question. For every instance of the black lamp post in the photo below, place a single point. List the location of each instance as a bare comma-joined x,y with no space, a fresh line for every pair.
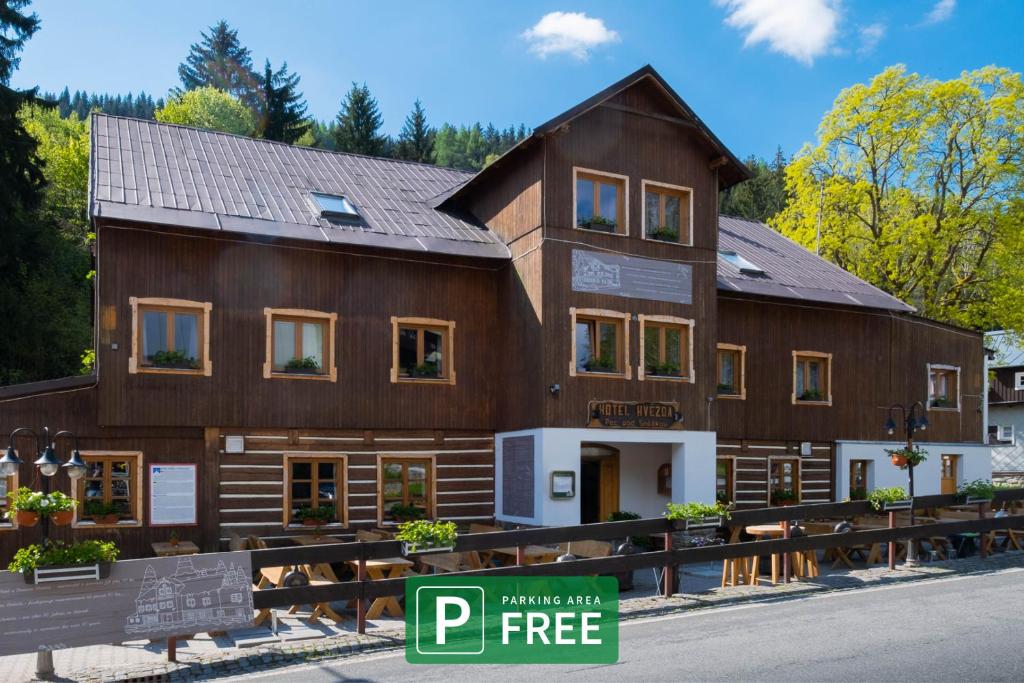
911,423
47,462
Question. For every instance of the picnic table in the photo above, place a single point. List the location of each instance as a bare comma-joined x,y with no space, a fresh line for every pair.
275,576
532,554
379,570
324,569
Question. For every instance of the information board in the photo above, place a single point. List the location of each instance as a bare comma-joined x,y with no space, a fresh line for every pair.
172,494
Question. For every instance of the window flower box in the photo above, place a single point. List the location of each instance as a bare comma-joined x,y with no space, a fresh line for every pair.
598,223
303,366
174,360
67,572
58,561
423,537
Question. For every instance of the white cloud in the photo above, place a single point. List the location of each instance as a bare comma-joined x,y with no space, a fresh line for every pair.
573,33
801,29
941,11
869,38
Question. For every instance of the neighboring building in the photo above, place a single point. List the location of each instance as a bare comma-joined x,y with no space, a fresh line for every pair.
571,331
1006,409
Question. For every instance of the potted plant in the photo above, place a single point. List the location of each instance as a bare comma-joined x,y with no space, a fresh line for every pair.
726,389
599,223
977,491
60,508
811,395
859,493
907,457
173,540
422,536
315,516
784,497
941,402
302,366
664,234
698,515
25,505
100,512
174,359
405,513
427,370
600,364
93,557
894,497
667,369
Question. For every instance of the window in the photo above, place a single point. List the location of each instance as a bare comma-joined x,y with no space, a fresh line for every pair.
859,479
784,481
422,350
600,201
334,205
300,344
667,213
599,342
724,480
943,387
315,482
406,488
1005,433
739,263
812,377
665,479
1018,381
111,487
170,336
732,371
7,485
665,348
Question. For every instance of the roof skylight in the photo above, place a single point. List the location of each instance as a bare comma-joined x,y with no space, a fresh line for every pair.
334,205
741,263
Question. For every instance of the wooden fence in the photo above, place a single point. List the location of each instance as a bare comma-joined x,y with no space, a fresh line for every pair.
668,558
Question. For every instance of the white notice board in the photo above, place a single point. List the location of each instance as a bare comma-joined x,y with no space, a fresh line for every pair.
173,489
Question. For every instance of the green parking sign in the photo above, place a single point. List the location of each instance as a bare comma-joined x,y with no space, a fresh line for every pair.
512,620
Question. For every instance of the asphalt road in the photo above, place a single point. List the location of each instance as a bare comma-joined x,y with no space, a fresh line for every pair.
960,629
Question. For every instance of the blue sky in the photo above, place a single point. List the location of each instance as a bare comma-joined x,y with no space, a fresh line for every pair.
759,72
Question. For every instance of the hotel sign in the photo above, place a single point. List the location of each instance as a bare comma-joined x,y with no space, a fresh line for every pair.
634,415
631,276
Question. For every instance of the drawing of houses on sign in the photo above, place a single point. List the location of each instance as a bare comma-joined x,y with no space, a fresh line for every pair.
591,274
192,599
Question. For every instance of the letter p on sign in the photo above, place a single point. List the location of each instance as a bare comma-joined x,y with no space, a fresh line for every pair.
449,620
443,622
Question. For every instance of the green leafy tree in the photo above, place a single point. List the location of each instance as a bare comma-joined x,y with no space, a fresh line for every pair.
282,111
63,146
220,61
761,197
359,123
916,185
208,107
416,139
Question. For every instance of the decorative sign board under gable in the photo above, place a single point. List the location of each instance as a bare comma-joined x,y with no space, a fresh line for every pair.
631,276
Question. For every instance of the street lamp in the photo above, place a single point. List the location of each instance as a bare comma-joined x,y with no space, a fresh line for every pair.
47,462
911,423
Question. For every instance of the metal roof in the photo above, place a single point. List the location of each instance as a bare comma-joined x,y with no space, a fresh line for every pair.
187,177
1009,353
790,271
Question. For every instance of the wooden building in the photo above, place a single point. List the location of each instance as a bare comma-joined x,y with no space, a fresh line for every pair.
572,331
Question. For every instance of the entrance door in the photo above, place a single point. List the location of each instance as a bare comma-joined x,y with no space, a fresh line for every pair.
599,482
949,483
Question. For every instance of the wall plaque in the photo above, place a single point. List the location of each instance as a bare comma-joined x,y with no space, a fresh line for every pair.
517,476
173,490
634,415
632,276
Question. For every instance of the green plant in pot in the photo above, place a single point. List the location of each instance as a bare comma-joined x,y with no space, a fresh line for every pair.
405,513
597,223
25,506
880,497
427,370
302,366
977,490
101,512
784,497
422,536
600,364
315,516
907,457
664,234
811,395
59,507
698,515
57,554
176,359
666,369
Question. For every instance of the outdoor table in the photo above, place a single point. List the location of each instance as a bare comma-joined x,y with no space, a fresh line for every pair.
322,568
533,554
165,549
274,576
797,559
442,563
395,568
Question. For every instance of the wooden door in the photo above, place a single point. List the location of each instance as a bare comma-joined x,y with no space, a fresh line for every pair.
949,483
609,485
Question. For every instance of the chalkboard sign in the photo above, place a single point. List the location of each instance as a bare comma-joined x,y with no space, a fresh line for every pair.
172,494
517,486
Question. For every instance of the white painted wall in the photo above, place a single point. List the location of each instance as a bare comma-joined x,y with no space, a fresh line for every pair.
975,463
693,469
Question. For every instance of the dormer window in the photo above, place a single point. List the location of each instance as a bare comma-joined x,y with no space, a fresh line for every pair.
743,265
334,206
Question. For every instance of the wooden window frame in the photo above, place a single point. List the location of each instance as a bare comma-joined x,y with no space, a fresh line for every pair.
447,327
203,308
684,194
340,461
730,477
665,322
301,315
136,478
953,369
622,200
741,351
12,486
1018,381
430,460
867,469
601,315
808,355
797,476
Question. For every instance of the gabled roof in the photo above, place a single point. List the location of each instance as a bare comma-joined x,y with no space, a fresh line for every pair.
1009,353
734,171
790,271
187,177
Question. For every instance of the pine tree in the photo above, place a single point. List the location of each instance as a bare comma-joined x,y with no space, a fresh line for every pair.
416,139
282,111
359,123
220,60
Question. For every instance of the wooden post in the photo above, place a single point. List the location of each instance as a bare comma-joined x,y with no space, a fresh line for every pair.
785,556
172,649
670,570
520,555
361,600
892,543
984,535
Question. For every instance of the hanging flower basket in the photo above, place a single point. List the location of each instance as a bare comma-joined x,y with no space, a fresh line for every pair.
899,460
26,518
907,457
62,518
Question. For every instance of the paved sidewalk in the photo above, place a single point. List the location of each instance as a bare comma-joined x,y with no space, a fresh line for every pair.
210,658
